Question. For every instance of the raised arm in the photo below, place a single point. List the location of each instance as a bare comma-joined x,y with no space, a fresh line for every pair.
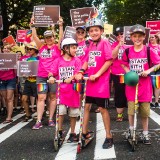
60,31
34,34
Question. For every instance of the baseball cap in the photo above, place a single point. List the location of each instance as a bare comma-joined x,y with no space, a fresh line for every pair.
48,33
81,27
137,28
118,30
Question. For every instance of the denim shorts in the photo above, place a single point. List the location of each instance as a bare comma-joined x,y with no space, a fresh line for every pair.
43,87
8,84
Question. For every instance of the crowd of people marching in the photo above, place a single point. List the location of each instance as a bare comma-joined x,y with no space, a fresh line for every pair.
70,60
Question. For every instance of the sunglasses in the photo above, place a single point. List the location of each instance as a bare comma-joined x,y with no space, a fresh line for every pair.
80,32
29,49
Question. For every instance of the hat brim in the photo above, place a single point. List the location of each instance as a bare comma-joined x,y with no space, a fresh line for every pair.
48,35
138,32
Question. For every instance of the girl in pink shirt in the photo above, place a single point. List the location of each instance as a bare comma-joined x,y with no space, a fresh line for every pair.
138,63
97,88
48,52
64,68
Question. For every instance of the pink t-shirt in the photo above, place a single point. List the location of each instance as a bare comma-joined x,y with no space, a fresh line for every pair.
7,74
65,69
156,48
98,55
138,62
46,58
81,51
116,65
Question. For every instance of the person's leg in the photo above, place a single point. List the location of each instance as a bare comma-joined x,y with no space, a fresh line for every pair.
157,93
40,106
25,104
10,96
52,105
145,112
131,106
86,117
106,121
119,97
32,100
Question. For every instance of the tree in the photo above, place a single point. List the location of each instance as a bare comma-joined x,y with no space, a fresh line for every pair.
17,13
130,12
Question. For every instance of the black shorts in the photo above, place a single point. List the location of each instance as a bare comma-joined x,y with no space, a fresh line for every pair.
30,89
100,102
119,93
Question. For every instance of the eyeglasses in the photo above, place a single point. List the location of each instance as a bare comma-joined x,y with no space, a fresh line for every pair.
80,32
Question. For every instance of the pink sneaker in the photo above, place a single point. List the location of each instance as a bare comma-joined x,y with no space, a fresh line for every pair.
51,123
38,125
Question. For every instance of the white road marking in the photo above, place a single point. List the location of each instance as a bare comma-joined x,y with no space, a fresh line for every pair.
154,116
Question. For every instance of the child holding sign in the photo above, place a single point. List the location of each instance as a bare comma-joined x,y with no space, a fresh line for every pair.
65,68
97,89
139,63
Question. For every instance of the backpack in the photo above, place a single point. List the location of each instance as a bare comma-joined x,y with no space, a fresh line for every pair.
148,58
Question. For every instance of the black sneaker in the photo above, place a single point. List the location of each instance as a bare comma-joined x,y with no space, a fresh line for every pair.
146,139
72,138
108,143
61,134
152,105
156,105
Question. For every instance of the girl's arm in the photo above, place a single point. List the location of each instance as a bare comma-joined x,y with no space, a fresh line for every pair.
60,32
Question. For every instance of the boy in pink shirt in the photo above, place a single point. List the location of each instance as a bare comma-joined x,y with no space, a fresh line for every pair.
97,88
138,62
64,68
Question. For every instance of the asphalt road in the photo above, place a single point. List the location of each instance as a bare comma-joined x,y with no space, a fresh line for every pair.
19,142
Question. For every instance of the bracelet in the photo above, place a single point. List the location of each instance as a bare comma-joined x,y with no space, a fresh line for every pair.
81,71
50,76
156,68
32,26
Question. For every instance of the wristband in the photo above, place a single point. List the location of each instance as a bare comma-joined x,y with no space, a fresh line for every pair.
81,71
50,76
32,26
156,68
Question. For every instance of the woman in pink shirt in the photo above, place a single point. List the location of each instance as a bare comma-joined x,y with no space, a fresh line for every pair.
7,86
154,44
48,52
118,49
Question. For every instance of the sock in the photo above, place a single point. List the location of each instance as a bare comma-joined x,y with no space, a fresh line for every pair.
131,127
145,132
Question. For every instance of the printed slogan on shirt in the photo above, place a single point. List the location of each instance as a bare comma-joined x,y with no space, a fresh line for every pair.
137,65
92,57
66,72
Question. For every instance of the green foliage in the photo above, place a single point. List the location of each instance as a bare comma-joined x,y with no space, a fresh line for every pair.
17,13
130,12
